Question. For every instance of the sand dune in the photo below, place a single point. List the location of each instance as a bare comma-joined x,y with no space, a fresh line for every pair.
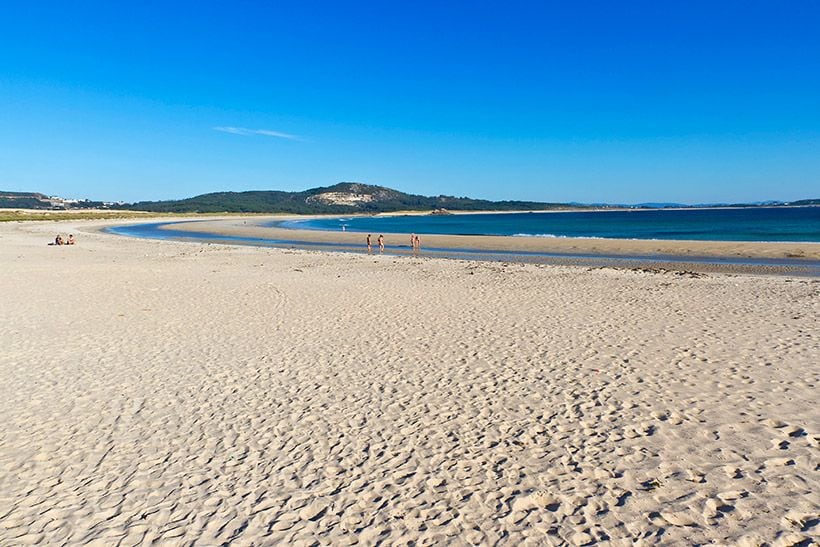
176,393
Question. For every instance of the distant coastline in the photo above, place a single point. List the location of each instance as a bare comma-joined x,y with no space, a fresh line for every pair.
344,198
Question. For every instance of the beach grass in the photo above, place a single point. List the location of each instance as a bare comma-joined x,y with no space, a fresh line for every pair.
17,215
14,215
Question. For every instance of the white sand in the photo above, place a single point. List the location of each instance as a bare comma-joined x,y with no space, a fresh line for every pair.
185,394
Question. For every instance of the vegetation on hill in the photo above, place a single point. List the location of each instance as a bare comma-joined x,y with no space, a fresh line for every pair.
23,203
24,200
342,198
36,200
806,202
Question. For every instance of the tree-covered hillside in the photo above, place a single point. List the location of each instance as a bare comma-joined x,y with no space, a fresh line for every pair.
342,198
24,200
36,200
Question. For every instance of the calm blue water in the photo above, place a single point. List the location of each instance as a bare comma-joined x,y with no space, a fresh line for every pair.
167,230
752,224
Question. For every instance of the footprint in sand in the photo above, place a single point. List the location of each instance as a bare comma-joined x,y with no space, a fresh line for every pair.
313,510
539,499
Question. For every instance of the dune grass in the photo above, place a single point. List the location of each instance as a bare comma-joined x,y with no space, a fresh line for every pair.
11,215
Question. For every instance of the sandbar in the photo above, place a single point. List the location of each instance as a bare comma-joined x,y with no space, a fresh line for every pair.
702,256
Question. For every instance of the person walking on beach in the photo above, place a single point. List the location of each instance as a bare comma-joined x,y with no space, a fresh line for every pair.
416,244
381,243
413,241
369,246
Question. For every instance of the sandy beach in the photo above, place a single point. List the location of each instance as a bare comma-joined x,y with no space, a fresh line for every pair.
171,393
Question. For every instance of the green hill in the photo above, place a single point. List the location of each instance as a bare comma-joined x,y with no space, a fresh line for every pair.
36,200
24,200
342,198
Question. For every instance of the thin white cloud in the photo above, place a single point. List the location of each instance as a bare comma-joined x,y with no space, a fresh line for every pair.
263,132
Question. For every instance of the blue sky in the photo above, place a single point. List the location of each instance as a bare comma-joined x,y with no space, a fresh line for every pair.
575,101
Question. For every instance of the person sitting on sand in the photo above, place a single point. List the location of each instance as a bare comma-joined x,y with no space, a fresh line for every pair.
70,239
381,243
59,239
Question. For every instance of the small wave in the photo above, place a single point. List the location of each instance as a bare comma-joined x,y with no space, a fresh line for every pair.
554,236
536,235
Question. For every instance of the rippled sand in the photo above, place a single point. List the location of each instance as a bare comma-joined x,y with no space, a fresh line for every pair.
177,393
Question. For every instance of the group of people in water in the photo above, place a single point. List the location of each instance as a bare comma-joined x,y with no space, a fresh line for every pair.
380,242
60,240
415,243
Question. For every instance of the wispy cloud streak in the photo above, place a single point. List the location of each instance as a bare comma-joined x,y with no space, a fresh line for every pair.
263,132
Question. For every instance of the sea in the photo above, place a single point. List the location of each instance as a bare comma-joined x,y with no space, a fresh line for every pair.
784,224
793,224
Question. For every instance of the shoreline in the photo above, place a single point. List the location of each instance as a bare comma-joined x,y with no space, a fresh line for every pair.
703,256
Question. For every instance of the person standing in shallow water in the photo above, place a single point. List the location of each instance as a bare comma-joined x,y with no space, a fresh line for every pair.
413,241
369,246
416,243
381,243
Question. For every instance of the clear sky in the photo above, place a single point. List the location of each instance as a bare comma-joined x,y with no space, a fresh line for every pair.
605,101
